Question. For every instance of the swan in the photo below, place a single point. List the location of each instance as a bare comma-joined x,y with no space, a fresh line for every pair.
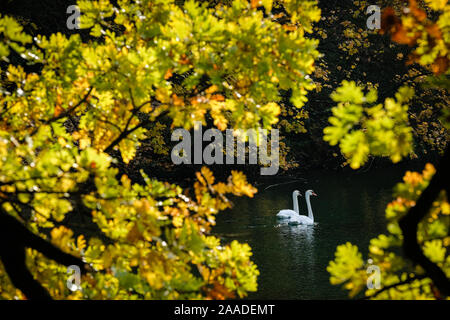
287,213
300,219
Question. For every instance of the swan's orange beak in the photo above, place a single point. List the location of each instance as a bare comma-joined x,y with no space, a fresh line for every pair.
314,194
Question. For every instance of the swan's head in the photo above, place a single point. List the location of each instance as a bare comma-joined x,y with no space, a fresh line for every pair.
297,193
311,193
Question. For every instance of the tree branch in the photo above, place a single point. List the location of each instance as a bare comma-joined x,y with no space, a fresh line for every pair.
408,280
409,224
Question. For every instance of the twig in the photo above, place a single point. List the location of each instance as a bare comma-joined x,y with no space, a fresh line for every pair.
280,184
409,280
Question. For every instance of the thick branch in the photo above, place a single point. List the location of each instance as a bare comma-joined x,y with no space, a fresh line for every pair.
14,237
410,221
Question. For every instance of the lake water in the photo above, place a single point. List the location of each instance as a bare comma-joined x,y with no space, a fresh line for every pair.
292,260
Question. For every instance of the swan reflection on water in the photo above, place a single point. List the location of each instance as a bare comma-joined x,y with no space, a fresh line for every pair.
299,232
299,251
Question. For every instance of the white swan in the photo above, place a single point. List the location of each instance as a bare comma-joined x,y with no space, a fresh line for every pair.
287,213
308,220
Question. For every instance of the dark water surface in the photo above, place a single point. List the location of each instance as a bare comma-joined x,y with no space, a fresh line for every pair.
292,260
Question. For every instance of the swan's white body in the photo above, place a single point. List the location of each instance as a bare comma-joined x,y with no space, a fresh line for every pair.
287,213
294,215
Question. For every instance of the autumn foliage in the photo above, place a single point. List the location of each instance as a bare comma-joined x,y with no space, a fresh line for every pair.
65,128
354,127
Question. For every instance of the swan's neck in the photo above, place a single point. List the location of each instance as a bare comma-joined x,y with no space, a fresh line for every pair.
308,204
295,199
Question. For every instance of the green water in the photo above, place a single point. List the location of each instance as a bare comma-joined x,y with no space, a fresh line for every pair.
292,260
